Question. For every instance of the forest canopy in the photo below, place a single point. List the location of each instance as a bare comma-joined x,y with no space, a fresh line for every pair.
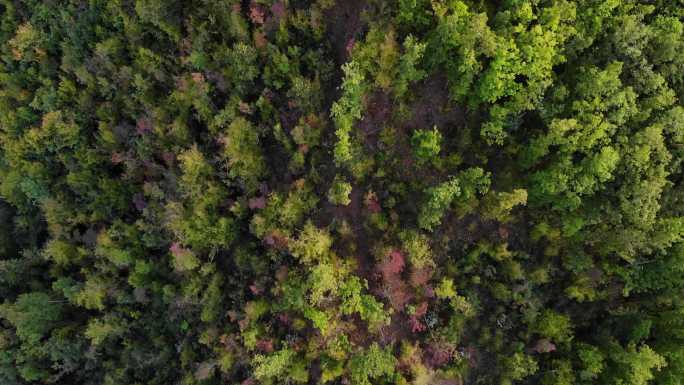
352,192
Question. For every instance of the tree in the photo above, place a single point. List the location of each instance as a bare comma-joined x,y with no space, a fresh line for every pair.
554,326
347,109
312,245
33,315
99,329
417,249
162,165
274,366
592,361
374,363
561,374
634,365
498,205
409,69
160,15
517,367
426,144
437,202
339,191
243,153
354,301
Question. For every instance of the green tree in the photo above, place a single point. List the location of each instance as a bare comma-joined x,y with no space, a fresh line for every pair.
242,150
33,315
426,144
374,363
517,367
339,192
554,326
498,205
634,365
437,202
347,110
312,245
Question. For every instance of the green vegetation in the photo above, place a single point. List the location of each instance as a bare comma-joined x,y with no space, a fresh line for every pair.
403,192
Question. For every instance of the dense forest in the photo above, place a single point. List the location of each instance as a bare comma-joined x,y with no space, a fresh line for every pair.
353,192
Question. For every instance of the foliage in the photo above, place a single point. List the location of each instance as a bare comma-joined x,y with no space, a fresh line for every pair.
378,192
426,144
312,245
518,366
339,192
347,109
498,205
439,198
417,248
273,366
243,152
554,326
33,315
373,363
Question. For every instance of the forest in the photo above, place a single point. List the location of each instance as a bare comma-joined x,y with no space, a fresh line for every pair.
342,192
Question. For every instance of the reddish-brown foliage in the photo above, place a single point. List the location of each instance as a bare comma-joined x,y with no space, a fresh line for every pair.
169,158
177,250
198,78
429,291
277,239
257,203
284,318
394,288
143,125
371,202
350,46
416,325
139,201
392,265
544,346
420,277
421,310
256,289
260,40
265,346
118,157
398,294
281,273
278,10
233,315
503,232
439,354
256,13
